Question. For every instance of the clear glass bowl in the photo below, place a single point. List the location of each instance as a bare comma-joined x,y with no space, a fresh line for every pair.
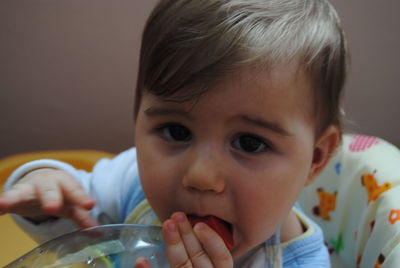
116,245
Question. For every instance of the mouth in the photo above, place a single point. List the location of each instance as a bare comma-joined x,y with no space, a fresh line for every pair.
221,227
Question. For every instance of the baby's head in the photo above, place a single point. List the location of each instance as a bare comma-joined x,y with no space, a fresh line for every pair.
237,108
188,45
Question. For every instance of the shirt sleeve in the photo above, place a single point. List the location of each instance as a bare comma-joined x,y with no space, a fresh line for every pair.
109,184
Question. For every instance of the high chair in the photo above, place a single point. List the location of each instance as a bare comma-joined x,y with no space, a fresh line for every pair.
13,241
356,201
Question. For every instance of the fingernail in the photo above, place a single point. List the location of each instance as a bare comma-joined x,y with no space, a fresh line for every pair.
171,226
179,217
200,226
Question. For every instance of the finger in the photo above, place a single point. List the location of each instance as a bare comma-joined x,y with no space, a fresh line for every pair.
213,245
4,204
50,196
82,218
193,247
6,201
75,194
142,263
18,194
175,248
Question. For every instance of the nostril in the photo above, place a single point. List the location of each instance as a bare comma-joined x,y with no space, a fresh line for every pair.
205,171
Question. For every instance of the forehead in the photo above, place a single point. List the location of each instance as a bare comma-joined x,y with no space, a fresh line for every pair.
277,94
282,90
285,82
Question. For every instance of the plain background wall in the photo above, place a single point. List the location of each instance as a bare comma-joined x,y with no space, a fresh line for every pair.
68,70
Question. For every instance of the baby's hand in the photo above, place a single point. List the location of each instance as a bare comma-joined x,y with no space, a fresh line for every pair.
198,247
45,193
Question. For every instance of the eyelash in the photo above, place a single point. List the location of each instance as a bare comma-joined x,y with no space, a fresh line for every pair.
265,145
161,130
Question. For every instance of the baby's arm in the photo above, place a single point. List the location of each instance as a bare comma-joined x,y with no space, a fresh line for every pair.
109,181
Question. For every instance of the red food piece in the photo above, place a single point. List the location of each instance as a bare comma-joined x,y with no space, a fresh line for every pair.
222,228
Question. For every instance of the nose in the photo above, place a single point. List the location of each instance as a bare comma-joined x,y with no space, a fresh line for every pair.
205,172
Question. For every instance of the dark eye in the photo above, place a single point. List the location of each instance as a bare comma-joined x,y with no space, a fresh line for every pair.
176,133
249,144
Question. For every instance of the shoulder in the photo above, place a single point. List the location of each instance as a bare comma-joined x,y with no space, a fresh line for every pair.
115,185
123,170
307,250
123,160
120,168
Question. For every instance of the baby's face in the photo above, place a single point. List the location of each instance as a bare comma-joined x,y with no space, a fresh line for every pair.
242,152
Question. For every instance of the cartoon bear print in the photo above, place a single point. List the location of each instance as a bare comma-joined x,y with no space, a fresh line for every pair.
327,204
370,184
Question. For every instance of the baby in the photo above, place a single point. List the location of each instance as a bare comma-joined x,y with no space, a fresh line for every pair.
237,109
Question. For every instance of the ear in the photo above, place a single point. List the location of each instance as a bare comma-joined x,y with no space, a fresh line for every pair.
323,150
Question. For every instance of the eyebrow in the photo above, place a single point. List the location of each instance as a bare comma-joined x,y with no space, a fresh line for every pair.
155,111
266,124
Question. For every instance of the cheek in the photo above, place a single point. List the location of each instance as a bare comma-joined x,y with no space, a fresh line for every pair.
262,205
265,204
156,179
257,217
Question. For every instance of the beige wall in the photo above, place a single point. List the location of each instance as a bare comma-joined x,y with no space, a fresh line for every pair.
373,91
68,69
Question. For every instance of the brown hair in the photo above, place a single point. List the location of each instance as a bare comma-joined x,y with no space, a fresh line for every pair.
187,44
